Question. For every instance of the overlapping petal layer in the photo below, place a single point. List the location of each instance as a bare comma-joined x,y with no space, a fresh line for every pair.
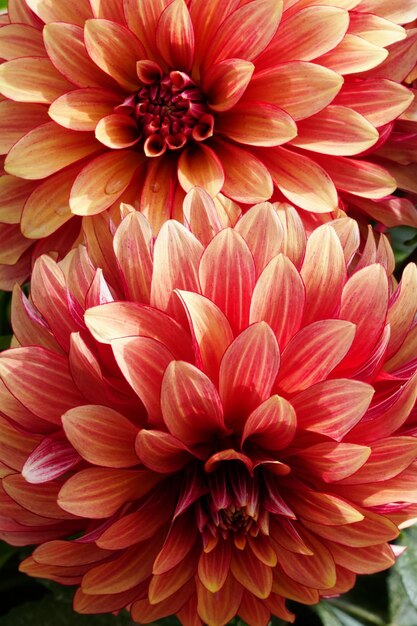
108,102
222,416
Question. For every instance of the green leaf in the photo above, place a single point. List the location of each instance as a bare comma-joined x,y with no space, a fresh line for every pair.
343,613
50,612
403,241
401,610
3,4
406,566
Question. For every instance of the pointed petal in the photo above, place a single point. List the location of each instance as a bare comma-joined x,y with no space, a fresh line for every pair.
143,361
115,447
115,50
323,274
314,190
161,452
103,180
284,85
401,314
313,353
40,379
52,458
175,36
332,407
60,11
190,404
334,461
179,541
250,572
225,82
99,492
229,284
278,299
162,586
32,79
317,571
245,33
202,215
246,179
68,552
47,149
66,49
248,371
200,166
176,257
117,131
353,55
271,425
222,606
323,508
142,18
82,109
258,124
211,332
213,567
18,118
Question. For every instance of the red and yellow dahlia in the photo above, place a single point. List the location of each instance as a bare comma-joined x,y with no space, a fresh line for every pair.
228,425
140,100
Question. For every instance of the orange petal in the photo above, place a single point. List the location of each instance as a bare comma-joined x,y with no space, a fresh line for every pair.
20,40
142,19
225,82
323,274
314,190
115,446
39,499
99,492
133,240
18,118
162,586
353,54
175,36
143,361
246,179
313,353
248,371
317,570
176,257
258,124
60,11
230,285
250,572
271,425
143,612
40,379
245,33
332,407
222,606
213,567
69,552
82,109
115,50
284,85
319,29
27,327
108,10
323,508
211,331
89,604
375,29
401,314
363,560
161,452
379,100
13,194
157,191
202,215
47,149
65,46
294,240
32,79
398,11
179,541
278,299
117,131
336,130
103,180
190,404
200,166
334,461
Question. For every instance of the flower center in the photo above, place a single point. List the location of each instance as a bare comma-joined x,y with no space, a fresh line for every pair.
170,111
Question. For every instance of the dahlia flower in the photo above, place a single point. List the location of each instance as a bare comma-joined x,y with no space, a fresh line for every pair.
140,100
227,425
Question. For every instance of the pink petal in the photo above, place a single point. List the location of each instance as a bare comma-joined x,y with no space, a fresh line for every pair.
278,299
190,404
313,190
353,55
229,284
60,11
247,372
323,274
313,353
334,461
115,50
202,215
271,425
284,85
211,332
332,407
402,312
115,445
52,458
20,40
161,452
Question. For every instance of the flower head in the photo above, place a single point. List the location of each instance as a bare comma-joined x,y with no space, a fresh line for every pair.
140,101
210,437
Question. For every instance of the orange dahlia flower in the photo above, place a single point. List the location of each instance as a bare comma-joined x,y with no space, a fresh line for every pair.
235,429
140,100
